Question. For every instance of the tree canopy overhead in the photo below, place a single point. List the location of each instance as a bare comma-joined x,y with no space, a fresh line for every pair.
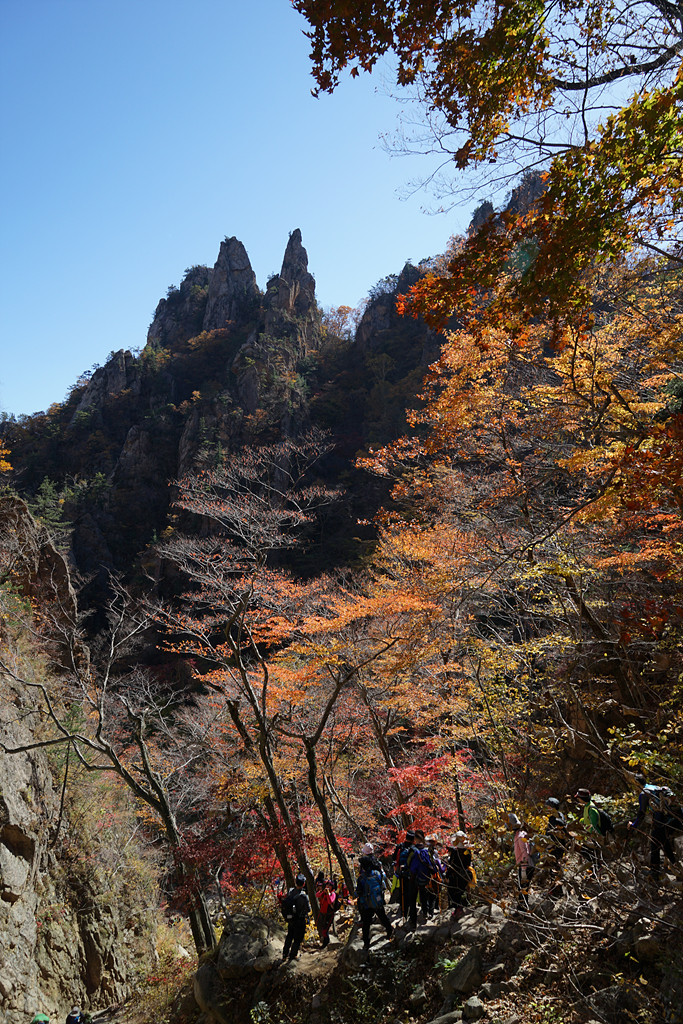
508,78
507,87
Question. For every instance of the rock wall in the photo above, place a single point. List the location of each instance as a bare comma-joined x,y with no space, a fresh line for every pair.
62,939
57,946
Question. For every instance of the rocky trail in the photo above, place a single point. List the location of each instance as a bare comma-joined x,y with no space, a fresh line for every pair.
599,945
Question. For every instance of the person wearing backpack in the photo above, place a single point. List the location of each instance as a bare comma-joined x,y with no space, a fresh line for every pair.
75,1016
659,801
370,896
401,855
295,909
438,872
556,830
458,872
598,824
524,859
326,894
420,869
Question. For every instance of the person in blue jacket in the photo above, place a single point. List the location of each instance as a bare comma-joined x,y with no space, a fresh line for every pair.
370,896
655,799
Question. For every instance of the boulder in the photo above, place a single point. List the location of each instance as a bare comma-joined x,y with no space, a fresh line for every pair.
448,1018
466,976
418,997
473,1009
248,944
647,947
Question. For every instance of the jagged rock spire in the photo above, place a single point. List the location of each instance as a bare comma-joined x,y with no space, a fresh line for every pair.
295,286
233,292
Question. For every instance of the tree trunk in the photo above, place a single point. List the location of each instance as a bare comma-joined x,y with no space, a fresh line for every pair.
278,845
321,803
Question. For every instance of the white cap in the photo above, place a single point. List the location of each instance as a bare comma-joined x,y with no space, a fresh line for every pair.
367,850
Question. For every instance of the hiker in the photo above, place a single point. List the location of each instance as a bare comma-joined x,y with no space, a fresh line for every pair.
436,880
369,851
524,860
370,896
295,908
659,801
458,875
598,824
419,865
401,854
557,829
41,1018
75,1017
326,894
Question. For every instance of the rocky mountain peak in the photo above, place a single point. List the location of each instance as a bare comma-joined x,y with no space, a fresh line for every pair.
294,290
180,315
233,293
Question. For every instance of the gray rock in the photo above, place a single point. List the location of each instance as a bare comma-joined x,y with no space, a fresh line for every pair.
647,947
448,1018
180,316
490,989
49,954
618,998
233,294
466,976
473,1009
418,997
247,944
497,972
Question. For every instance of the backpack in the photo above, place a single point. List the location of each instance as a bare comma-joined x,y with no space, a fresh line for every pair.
403,858
288,905
660,797
423,866
606,824
372,891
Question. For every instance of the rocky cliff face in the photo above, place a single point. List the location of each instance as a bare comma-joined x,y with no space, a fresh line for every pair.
233,295
221,367
58,946
63,938
181,314
225,365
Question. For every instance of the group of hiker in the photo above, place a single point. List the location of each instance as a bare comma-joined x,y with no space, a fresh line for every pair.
417,874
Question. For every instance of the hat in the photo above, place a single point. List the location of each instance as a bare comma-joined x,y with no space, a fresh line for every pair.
583,794
432,839
553,802
419,833
513,821
410,835
300,881
368,850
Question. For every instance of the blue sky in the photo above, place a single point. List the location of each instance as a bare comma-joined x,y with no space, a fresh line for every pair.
136,135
